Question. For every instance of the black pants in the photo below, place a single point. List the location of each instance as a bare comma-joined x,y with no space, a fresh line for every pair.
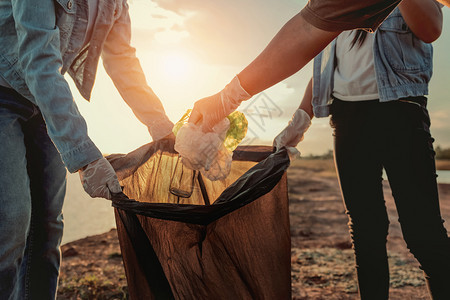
370,135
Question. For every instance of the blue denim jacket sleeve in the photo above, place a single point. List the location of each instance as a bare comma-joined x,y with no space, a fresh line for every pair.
122,65
403,63
323,79
40,59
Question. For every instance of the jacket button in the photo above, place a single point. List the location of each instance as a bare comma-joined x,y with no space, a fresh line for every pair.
69,4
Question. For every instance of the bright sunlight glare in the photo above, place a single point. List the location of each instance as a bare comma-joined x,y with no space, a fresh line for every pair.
176,66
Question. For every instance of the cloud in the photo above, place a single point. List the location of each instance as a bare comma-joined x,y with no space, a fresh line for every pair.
231,32
152,22
170,36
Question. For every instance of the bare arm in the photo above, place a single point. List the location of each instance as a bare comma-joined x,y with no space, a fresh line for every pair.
292,48
124,68
424,18
306,103
445,2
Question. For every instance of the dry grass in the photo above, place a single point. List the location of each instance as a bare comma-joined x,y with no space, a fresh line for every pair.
323,167
326,166
443,164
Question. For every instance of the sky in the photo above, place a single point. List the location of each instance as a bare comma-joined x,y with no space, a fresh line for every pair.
190,49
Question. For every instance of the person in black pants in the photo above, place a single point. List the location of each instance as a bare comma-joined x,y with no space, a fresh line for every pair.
374,87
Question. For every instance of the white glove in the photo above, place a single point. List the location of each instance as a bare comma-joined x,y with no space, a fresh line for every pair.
215,108
293,133
99,179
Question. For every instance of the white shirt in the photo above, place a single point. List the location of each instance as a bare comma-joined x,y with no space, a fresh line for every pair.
354,76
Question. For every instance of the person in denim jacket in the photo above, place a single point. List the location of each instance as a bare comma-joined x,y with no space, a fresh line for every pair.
42,131
374,87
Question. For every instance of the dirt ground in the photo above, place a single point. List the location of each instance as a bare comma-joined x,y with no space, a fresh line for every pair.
322,258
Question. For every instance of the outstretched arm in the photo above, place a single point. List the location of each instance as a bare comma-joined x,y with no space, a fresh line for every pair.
290,50
40,58
122,65
424,18
293,47
41,62
445,2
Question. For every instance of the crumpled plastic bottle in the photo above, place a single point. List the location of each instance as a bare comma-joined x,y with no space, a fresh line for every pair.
210,152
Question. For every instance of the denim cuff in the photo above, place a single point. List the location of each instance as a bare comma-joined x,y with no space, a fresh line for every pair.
80,156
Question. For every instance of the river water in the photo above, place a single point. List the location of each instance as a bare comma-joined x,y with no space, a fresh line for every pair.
443,176
83,215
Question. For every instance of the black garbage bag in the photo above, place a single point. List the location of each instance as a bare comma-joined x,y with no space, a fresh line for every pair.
229,239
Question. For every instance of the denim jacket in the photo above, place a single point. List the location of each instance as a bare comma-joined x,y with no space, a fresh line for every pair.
403,65
42,40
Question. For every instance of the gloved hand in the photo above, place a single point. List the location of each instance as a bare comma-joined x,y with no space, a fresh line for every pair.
217,107
99,179
293,133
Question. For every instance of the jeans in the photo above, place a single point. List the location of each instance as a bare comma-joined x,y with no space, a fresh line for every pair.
370,136
32,189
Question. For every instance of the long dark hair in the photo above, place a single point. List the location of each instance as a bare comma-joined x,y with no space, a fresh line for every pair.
359,38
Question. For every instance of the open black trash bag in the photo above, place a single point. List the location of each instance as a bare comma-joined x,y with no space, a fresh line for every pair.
229,240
